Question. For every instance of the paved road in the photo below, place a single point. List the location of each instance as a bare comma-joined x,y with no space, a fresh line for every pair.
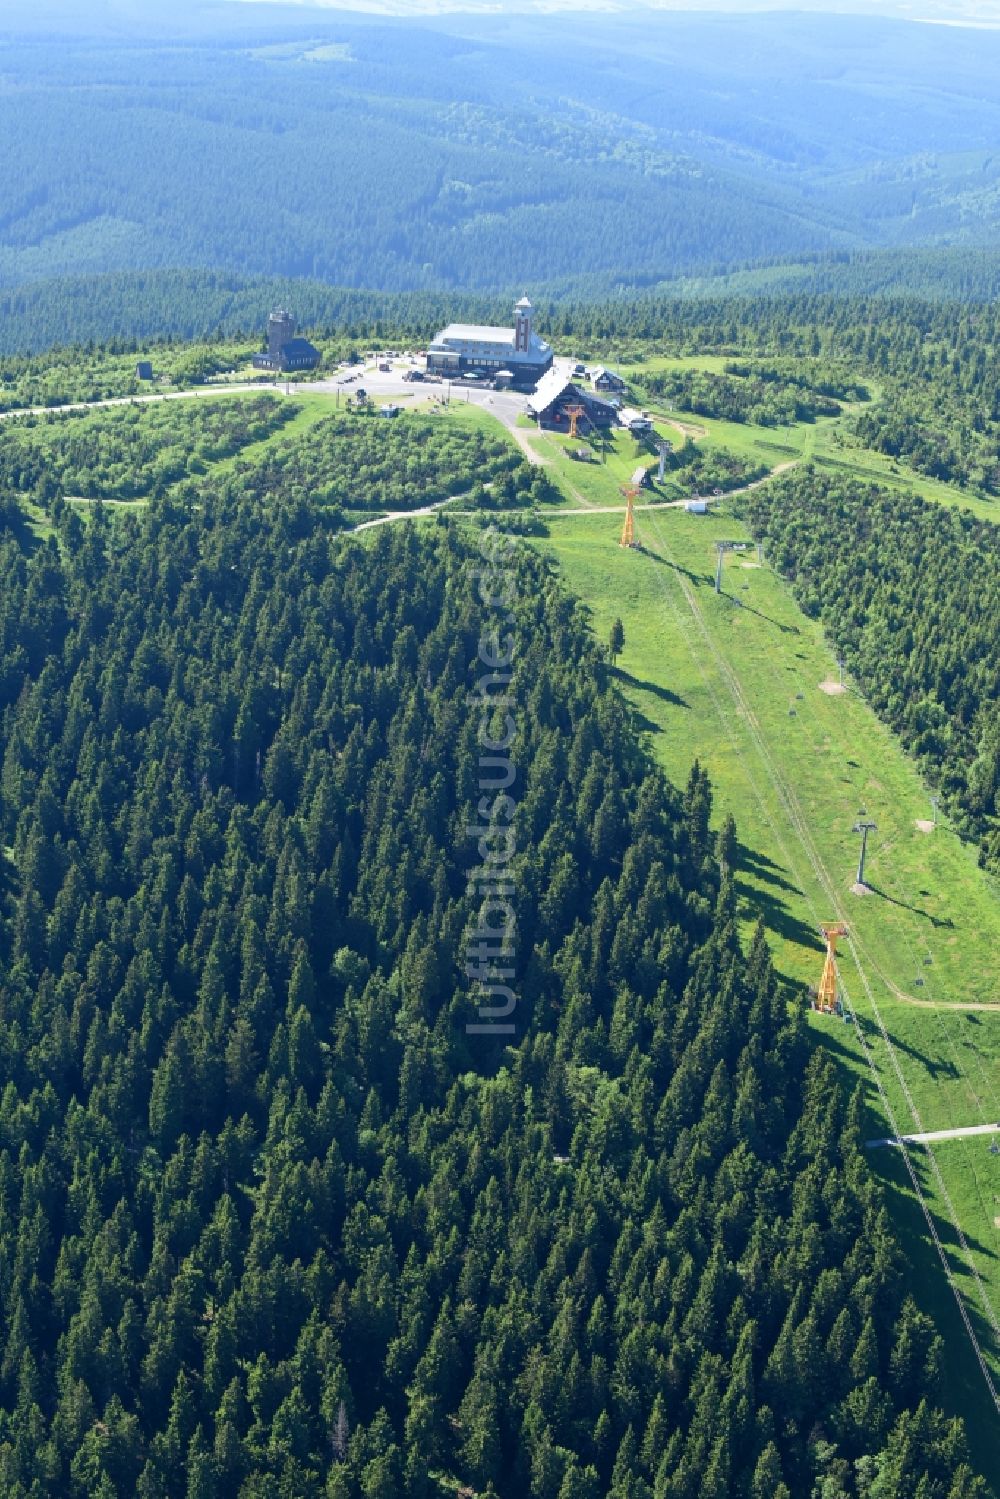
505,405
640,510
394,515
933,1135
143,400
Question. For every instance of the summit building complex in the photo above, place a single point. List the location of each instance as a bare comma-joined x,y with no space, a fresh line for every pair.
468,348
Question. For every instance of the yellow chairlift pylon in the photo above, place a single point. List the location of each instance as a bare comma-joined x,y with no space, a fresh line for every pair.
574,413
828,993
628,530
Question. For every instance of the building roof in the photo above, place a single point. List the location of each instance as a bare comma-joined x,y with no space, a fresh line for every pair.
551,388
602,373
453,343
298,347
478,333
556,387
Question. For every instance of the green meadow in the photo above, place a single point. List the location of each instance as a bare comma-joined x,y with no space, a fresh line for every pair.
741,681
824,442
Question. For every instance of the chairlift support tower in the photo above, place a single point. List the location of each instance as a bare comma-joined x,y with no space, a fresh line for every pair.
722,547
628,530
828,993
575,413
864,828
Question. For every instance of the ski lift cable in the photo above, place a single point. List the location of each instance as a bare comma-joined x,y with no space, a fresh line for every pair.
860,952
786,799
985,1116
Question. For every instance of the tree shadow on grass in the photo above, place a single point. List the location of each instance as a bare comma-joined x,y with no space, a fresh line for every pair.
675,567
778,918
917,910
964,1392
765,869
642,723
935,1068
742,604
641,685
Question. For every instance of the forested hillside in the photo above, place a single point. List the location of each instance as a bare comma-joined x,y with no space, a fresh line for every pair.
271,1220
123,452
922,373
931,367
461,152
129,307
910,593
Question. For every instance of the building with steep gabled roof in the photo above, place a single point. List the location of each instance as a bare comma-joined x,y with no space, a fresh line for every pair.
556,394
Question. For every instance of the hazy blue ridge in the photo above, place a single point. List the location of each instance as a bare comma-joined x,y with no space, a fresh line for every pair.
466,153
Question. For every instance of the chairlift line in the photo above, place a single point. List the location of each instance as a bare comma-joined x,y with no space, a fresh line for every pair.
942,1188
785,799
949,1043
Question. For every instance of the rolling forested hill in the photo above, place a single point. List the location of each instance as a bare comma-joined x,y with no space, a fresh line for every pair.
481,152
126,307
272,1219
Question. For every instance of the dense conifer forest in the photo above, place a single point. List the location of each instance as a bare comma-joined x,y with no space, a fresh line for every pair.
100,310
398,1097
272,1222
455,151
122,452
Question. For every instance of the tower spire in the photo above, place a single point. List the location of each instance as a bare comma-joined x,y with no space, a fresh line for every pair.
522,325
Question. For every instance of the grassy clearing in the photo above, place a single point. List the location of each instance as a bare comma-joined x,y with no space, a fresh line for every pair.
835,752
734,680
824,441
598,481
